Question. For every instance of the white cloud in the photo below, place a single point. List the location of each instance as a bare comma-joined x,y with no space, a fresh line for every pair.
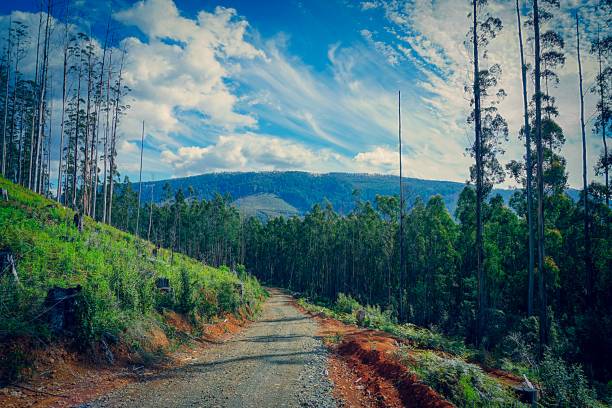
250,152
184,66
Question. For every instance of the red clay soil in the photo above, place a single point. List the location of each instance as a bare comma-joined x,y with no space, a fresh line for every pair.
370,358
62,378
365,351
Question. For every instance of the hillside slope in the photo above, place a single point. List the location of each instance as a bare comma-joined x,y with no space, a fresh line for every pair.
113,279
302,190
265,206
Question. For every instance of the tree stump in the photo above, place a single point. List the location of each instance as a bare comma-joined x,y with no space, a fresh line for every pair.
78,221
4,193
361,315
7,264
163,285
61,309
527,393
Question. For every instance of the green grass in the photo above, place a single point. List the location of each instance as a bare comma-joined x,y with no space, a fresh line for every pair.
116,270
345,309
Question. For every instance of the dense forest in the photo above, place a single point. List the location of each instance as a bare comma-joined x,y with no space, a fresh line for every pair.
523,283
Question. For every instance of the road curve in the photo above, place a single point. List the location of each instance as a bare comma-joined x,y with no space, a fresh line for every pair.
276,362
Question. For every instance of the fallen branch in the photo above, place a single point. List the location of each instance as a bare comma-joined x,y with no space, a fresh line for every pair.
37,391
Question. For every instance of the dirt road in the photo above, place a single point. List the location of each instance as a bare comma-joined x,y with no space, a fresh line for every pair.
276,362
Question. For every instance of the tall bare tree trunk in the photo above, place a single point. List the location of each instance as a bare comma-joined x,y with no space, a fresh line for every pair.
41,102
14,108
540,180
6,98
140,180
402,283
87,157
34,98
479,178
585,186
76,142
528,164
106,136
603,121
113,146
97,126
150,215
63,120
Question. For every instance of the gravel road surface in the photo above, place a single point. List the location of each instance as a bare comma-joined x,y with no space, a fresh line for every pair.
276,362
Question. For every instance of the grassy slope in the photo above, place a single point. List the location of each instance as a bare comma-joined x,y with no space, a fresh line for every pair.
265,207
116,271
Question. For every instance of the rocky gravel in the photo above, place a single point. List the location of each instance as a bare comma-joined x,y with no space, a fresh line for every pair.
277,362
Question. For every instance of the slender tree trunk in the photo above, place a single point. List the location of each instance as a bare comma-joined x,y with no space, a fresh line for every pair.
106,136
113,145
529,167
76,142
87,158
140,180
14,107
19,172
97,125
603,120
150,215
63,120
41,102
402,283
479,179
587,236
540,180
6,98
34,98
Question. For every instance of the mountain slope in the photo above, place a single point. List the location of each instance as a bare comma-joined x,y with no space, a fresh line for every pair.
265,206
302,190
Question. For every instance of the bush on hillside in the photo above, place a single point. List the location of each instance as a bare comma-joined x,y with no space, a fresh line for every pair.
464,384
346,304
564,385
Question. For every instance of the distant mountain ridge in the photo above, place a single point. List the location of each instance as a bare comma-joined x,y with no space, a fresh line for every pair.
268,194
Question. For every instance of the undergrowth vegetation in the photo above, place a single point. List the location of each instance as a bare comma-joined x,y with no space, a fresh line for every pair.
345,309
117,273
448,365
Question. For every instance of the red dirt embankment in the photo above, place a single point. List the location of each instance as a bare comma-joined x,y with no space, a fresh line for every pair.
365,370
63,378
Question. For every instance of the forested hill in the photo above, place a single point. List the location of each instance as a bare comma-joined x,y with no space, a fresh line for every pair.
295,192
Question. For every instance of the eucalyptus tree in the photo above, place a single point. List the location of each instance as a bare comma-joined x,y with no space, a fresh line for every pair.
119,91
528,170
489,129
585,186
601,48
38,165
66,61
35,97
21,38
7,80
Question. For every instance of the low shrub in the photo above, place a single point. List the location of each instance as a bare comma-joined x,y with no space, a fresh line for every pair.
564,385
346,304
464,384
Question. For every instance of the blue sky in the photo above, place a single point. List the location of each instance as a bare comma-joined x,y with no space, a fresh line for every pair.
243,85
